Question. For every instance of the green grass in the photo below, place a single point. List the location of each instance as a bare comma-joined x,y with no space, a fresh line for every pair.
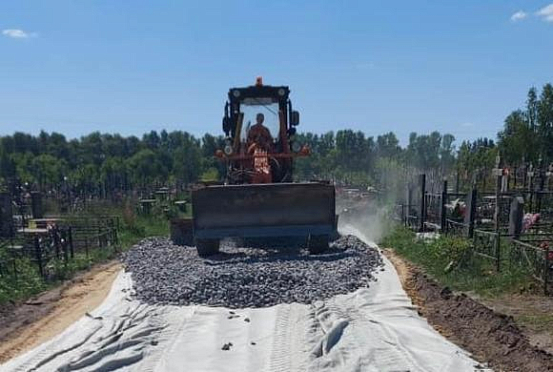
537,322
142,227
26,283
449,261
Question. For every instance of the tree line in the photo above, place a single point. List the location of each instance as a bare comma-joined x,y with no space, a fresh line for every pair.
49,159
114,162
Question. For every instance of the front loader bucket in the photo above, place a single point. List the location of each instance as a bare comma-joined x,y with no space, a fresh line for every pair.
263,210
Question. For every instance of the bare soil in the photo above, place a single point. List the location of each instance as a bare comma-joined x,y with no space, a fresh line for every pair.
26,325
534,314
492,337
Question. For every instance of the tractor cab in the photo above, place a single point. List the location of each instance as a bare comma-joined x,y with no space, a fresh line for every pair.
242,111
259,126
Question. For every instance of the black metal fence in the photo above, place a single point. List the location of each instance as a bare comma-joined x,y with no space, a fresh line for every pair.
537,258
512,228
57,245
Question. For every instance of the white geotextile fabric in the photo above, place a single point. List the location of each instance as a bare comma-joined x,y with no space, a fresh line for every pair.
373,329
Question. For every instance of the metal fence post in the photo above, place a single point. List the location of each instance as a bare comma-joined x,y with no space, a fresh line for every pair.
56,240
496,222
546,271
531,189
470,212
38,255
541,188
70,238
423,202
65,247
409,201
443,213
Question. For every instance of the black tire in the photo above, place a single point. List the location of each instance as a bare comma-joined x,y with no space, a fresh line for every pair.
207,247
317,244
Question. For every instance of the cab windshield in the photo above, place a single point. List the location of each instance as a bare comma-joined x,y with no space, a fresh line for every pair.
250,107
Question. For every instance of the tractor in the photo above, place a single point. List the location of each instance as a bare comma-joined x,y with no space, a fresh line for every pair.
259,198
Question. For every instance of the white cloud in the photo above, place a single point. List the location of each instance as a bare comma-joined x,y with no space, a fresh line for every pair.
17,33
519,16
546,13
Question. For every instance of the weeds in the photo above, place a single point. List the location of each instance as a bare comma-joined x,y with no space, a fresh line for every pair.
451,262
22,284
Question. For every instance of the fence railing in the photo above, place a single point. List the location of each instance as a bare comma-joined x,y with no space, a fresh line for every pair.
487,244
537,258
493,222
57,245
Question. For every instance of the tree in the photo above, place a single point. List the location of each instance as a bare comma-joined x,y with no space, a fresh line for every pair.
146,167
187,162
516,141
7,165
545,122
387,145
447,153
48,171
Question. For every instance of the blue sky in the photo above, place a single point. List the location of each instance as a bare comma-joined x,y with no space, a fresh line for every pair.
132,66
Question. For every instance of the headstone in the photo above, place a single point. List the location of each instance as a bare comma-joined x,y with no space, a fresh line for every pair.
515,217
470,212
36,204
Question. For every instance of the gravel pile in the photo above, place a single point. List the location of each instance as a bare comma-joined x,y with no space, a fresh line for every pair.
240,277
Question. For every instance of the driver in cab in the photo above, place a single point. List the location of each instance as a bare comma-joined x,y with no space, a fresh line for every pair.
259,135
259,144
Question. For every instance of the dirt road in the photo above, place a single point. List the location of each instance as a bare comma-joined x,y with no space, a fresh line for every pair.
44,317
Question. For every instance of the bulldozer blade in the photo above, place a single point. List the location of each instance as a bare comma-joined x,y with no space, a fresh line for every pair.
264,210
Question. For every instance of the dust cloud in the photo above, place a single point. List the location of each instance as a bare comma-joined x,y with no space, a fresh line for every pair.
365,217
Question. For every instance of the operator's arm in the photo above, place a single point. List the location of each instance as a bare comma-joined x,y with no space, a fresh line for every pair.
260,136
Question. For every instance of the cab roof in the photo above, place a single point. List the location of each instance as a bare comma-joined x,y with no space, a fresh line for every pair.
278,93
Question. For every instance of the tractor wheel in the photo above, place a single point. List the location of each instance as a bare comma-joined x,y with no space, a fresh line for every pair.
207,247
317,244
